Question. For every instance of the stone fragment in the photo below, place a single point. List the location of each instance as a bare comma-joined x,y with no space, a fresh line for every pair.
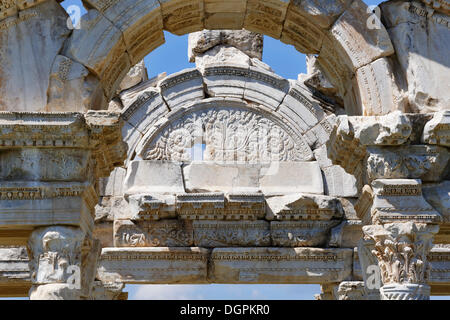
30,39
378,91
301,233
249,43
420,35
231,234
303,207
163,233
347,234
266,88
225,79
113,186
437,130
135,76
154,265
279,265
153,177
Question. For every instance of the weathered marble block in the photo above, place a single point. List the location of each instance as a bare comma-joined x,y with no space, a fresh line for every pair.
292,177
147,177
360,44
301,233
437,130
100,46
266,17
265,88
151,207
183,16
31,39
398,200
212,234
245,206
143,108
14,272
225,80
280,265
438,195
163,233
140,22
428,163
301,109
347,234
154,265
201,206
303,207
302,33
322,13
182,88
224,14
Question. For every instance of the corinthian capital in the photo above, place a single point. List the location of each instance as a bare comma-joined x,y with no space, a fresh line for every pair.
401,250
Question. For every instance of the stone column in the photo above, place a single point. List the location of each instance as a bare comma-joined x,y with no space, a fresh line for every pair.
400,224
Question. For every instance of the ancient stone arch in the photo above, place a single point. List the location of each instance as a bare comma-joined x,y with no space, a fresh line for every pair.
115,35
288,189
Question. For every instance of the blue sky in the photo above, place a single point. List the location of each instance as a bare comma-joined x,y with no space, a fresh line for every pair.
170,58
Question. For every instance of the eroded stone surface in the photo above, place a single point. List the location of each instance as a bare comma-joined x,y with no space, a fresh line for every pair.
420,36
279,265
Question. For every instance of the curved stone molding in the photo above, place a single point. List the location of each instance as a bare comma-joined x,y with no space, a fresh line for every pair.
117,34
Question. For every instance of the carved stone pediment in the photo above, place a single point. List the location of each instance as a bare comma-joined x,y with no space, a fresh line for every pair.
229,132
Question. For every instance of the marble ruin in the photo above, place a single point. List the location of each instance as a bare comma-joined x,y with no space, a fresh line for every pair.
225,172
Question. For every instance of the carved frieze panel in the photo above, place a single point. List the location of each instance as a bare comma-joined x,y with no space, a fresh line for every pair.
228,134
231,233
154,265
163,233
301,233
